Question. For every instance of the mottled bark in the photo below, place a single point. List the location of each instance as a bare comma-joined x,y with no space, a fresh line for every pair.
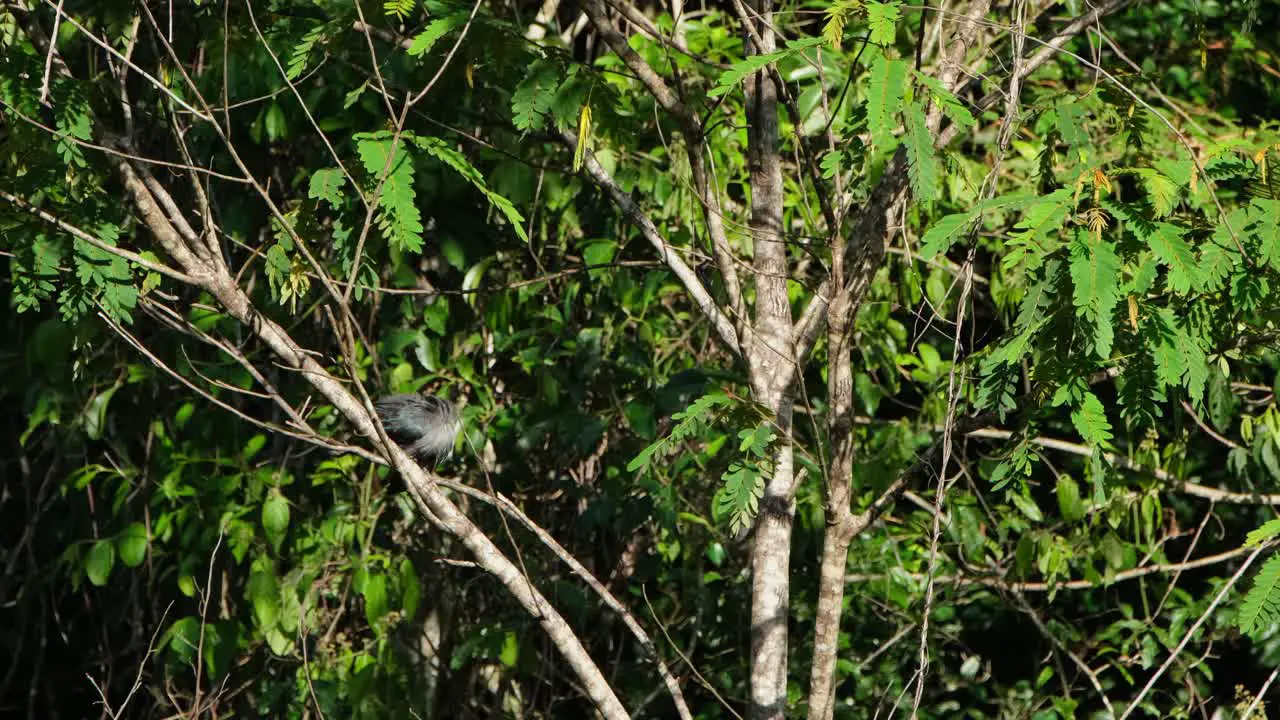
839,530
771,368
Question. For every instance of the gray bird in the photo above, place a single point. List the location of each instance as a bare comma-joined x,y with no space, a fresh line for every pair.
424,425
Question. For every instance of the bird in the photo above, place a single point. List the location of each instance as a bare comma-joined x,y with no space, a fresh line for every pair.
424,425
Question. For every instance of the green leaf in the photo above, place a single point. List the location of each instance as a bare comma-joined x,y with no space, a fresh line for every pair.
253,447
756,441
943,234
274,122
1169,247
1070,117
1016,348
951,106
831,163
183,637
131,544
1197,373
399,218
45,412
691,420
33,278
1269,529
326,184
509,211
301,53
1217,260
436,29
275,516
436,316
1044,216
72,122
510,649
1026,505
98,564
183,416
534,96
459,163
886,83
410,589
1037,299
1069,503
1260,609
739,497
1264,227
95,415
1161,191
399,9
716,554
1179,358
1090,420
882,19
599,252
108,276
474,275
354,95
740,70
1144,276
923,167
263,591
645,456
280,644
1041,220
838,14
1095,275
151,280
374,591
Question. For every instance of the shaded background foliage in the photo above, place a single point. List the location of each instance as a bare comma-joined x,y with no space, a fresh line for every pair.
131,507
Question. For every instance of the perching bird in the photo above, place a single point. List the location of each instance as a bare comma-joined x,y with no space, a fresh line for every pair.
424,425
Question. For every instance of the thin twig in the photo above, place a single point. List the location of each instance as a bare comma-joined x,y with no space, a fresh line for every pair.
1191,631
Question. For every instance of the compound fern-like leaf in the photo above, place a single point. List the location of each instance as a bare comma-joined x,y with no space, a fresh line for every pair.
742,69
922,163
882,19
1261,607
1185,274
398,218
884,99
1090,419
1095,274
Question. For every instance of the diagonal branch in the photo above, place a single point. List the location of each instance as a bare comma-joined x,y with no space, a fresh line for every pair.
1003,584
86,237
426,490
212,275
720,322
1169,479
708,194
422,485
658,87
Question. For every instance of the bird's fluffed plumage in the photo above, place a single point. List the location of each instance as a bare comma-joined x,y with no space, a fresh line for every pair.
424,425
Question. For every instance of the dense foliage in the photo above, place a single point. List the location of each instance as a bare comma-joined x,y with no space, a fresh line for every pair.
844,358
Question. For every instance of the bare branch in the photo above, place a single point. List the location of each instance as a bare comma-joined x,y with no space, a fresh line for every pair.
708,193
1191,631
1184,486
86,237
1004,584
720,322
